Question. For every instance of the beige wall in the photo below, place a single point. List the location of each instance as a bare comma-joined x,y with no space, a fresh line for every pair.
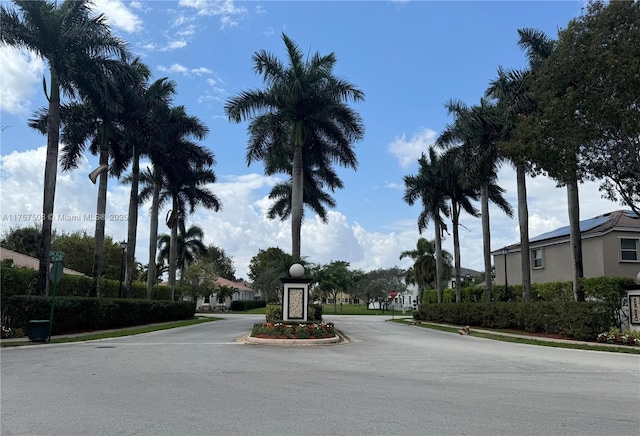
600,257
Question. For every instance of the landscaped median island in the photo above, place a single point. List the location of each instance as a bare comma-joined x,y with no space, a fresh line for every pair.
293,333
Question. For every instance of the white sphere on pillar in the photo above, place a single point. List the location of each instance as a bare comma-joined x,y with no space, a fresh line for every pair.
296,270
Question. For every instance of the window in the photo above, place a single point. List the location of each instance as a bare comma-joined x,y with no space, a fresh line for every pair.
207,299
629,250
536,258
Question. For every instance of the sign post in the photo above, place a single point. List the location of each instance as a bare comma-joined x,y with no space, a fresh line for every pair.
55,275
393,294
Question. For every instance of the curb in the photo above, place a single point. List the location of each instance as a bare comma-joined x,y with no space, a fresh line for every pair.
337,339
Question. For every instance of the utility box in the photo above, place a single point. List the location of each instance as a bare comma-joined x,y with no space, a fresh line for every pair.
39,330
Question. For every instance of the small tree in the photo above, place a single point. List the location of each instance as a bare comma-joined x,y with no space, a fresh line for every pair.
199,280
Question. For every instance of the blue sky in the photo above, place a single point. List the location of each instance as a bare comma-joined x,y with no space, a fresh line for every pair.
408,57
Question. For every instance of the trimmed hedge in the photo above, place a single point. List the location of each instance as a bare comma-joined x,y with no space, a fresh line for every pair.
274,313
82,313
595,288
23,281
582,321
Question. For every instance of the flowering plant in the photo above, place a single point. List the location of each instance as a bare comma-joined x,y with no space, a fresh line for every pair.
615,336
293,330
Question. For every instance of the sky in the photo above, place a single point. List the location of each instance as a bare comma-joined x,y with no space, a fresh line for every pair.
408,57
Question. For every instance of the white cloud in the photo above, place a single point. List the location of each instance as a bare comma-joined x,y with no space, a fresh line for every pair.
227,11
407,152
268,32
241,227
174,68
201,70
21,73
174,45
118,15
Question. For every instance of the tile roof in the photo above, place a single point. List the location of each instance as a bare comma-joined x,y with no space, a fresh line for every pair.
25,261
220,281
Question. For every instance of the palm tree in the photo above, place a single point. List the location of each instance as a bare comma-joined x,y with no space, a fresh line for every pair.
315,179
423,272
188,243
460,191
78,49
514,100
476,129
96,122
147,109
428,186
186,186
175,145
302,108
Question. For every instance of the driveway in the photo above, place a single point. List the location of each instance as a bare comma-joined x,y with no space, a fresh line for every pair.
391,379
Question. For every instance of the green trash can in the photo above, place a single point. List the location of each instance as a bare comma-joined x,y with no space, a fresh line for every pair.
38,330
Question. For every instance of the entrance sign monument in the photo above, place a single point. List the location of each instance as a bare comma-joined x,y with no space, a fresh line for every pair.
296,295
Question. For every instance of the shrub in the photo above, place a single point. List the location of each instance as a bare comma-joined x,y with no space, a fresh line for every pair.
273,312
84,313
612,292
582,321
315,312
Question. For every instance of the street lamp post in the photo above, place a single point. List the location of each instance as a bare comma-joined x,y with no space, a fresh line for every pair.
123,245
505,252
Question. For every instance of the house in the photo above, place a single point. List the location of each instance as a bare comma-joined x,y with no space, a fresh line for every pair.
467,276
241,292
24,261
610,247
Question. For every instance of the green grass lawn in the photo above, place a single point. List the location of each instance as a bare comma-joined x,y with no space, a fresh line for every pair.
526,340
136,330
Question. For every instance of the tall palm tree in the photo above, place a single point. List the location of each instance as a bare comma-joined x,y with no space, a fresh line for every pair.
461,191
78,48
175,146
476,129
187,188
303,107
188,243
511,89
94,122
147,108
428,187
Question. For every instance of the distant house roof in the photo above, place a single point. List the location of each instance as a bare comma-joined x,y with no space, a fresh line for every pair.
25,261
240,286
619,219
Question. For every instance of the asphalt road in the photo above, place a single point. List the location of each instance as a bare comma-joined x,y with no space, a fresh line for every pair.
391,379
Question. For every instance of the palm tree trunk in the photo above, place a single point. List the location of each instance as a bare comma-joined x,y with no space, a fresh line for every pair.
455,217
296,203
98,251
523,221
153,235
132,219
173,251
50,175
575,238
296,193
486,237
439,266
